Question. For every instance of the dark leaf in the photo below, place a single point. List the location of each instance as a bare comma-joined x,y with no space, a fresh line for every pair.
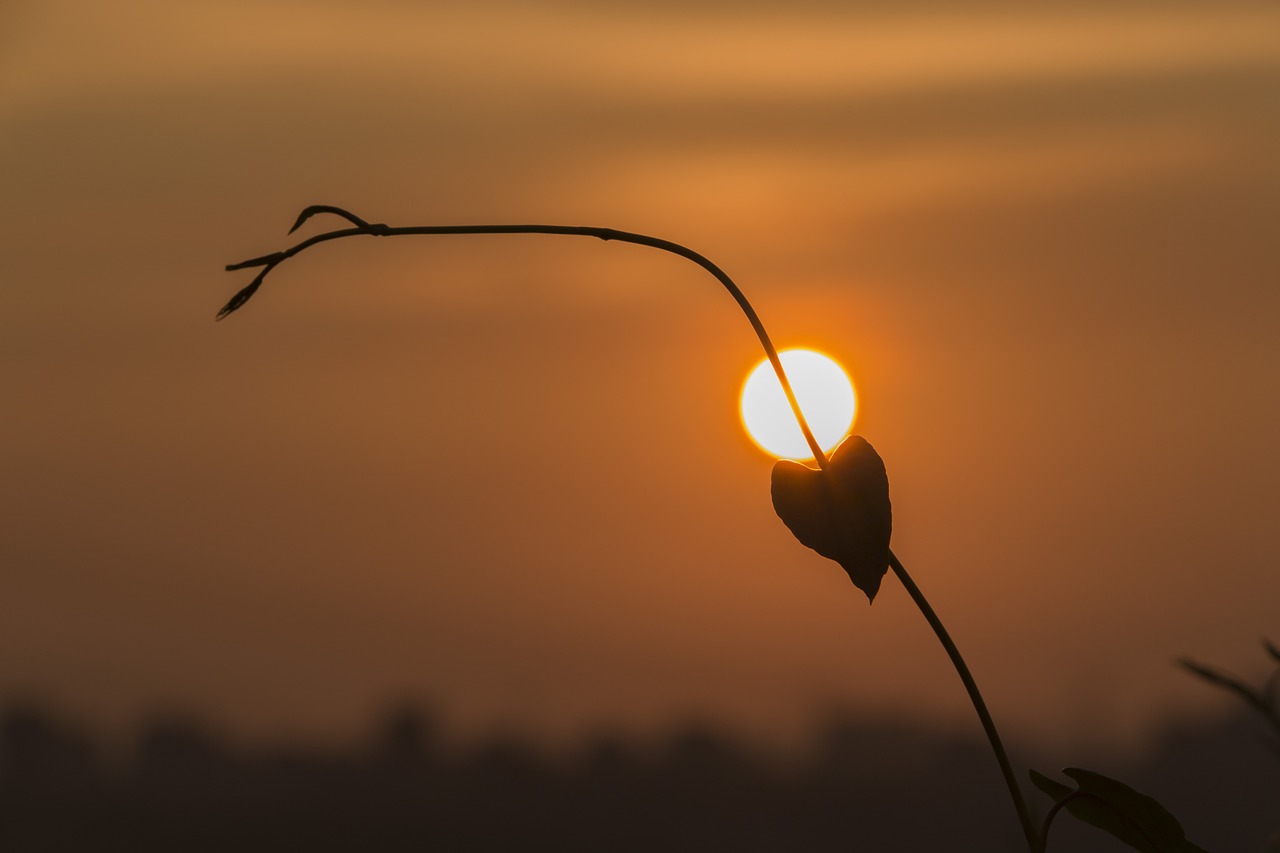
1052,787
273,258
1227,682
327,208
244,295
1115,808
1259,699
843,513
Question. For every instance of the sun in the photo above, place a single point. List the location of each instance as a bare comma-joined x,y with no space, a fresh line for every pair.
825,395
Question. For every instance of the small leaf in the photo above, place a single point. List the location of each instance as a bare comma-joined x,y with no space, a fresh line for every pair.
1227,682
1134,818
327,208
244,294
265,260
1052,787
843,513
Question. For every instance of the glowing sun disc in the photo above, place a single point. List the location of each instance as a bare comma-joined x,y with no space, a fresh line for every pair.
825,395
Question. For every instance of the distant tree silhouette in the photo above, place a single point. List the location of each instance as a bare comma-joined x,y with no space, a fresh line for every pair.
893,785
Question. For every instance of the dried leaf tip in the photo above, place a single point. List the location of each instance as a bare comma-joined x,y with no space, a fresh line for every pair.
264,260
242,296
327,208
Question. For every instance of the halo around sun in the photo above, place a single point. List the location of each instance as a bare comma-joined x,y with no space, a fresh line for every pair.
825,395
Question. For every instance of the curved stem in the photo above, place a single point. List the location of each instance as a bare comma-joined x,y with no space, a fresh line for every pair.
1034,841
270,262
1053,813
360,227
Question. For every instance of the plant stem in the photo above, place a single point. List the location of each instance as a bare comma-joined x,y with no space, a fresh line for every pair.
362,228
1034,842
1053,813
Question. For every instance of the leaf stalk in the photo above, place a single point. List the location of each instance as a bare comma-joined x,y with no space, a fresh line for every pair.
359,227
362,228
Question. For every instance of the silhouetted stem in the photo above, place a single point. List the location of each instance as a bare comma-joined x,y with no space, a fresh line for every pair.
361,227
1034,841
269,262
1053,813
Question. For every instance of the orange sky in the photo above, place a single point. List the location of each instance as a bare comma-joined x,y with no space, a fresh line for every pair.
507,474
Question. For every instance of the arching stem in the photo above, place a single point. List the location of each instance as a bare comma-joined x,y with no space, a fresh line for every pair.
363,228
1034,841
1053,813
269,262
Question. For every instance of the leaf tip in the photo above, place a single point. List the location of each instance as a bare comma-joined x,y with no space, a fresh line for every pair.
242,296
312,210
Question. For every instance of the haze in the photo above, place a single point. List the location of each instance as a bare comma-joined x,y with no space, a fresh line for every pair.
507,474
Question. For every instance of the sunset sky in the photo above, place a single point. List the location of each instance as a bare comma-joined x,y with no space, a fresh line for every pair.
507,474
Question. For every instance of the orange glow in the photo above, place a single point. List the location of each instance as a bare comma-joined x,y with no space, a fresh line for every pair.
502,474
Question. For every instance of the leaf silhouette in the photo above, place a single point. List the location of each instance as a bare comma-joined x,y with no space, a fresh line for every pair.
1115,808
843,513
245,293
1261,700
327,208
1230,683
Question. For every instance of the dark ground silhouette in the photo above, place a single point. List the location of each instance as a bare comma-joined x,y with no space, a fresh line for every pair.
869,786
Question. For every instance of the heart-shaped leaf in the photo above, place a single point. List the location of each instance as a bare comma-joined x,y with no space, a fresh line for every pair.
843,513
1114,807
